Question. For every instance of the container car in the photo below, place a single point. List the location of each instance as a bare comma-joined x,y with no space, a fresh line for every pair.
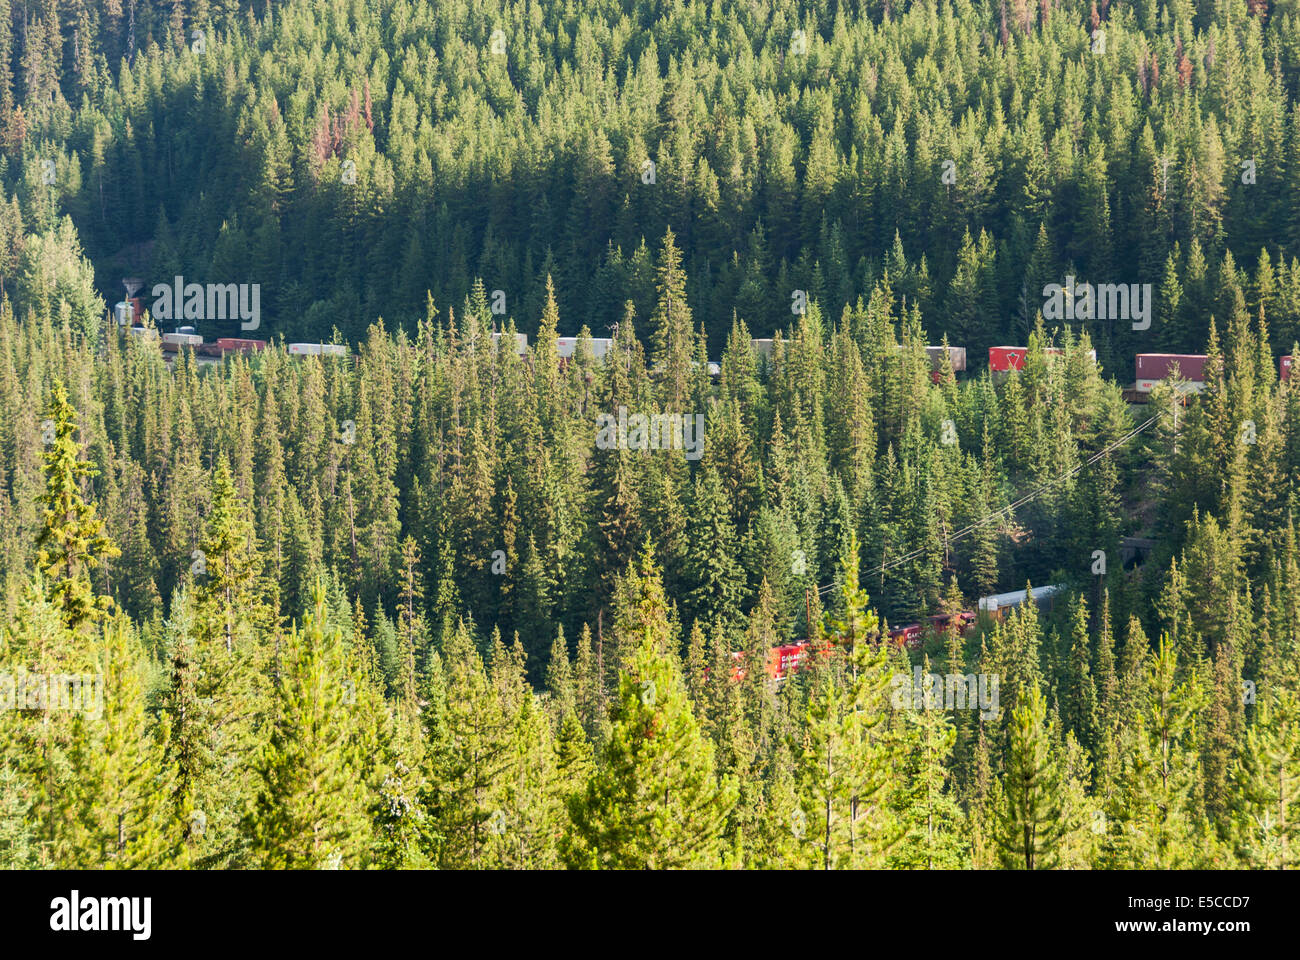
1151,368
521,342
566,347
1006,359
181,338
318,349
238,345
1003,601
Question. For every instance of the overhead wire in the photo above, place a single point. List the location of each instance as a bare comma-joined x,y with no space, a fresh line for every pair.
1027,498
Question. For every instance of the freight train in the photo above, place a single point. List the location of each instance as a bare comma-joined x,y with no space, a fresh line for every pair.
1153,368
790,657
1002,360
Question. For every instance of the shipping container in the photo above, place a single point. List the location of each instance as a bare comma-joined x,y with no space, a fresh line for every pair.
786,659
521,342
935,355
567,347
179,339
1151,368
1003,601
1003,359
237,345
318,349
956,354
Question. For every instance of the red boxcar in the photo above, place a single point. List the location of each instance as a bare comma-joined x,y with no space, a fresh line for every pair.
909,636
235,344
1002,359
786,659
1284,368
939,621
1154,367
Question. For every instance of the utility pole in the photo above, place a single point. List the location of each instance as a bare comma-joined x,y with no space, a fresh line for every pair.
600,655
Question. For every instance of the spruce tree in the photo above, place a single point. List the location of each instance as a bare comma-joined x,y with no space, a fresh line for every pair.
71,544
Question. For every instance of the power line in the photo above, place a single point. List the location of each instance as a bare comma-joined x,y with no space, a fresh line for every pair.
965,531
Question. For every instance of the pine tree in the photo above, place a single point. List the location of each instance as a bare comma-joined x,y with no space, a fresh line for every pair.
655,801
1268,784
71,544
470,760
1154,819
309,811
671,338
1029,829
843,760
933,822
116,807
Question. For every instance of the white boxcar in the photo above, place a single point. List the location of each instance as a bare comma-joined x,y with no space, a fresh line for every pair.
958,355
318,349
182,339
521,342
568,346
1004,601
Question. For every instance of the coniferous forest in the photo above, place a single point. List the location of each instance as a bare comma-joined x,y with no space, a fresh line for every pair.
430,601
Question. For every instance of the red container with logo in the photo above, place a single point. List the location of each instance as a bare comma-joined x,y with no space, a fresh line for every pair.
1154,367
1002,359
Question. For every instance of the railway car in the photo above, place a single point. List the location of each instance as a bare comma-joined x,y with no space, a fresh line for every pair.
1151,368
521,342
908,636
998,602
238,345
956,354
939,622
184,337
318,349
1005,359
127,313
567,347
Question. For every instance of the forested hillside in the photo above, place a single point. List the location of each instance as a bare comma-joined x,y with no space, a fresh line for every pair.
405,609
354,157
